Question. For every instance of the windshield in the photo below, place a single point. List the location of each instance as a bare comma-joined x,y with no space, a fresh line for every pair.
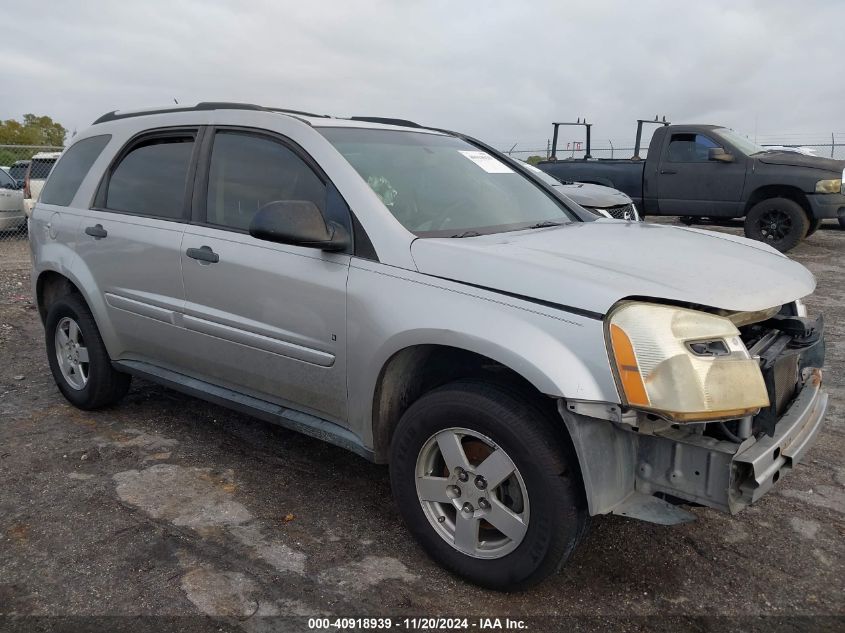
743,144
441,186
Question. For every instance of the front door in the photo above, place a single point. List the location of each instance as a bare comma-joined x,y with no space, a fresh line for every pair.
269,319
689,183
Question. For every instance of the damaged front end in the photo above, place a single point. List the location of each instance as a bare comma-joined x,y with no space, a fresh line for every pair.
645,465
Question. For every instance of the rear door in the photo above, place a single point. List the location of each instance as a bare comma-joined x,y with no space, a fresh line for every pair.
689,183
271,318
130,243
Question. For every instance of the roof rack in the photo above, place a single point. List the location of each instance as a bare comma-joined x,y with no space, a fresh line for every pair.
385,120
115,115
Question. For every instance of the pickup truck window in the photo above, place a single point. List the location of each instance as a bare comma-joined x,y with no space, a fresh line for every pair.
442,186
689,148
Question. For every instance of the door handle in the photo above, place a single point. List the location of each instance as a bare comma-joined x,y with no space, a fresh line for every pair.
668,171
203,254
97,231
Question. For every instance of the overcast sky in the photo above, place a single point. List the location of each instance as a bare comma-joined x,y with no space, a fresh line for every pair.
501,71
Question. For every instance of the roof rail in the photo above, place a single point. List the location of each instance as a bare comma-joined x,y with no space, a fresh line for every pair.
299,112
115,115
385,120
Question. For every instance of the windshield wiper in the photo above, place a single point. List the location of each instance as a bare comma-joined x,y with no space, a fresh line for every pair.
467,234
545,224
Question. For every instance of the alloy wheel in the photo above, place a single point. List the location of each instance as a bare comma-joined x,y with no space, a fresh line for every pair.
775,225
472,493
72,353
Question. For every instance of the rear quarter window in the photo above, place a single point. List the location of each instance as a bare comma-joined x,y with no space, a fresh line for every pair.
71,170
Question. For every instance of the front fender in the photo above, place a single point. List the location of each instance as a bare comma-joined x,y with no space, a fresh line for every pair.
561,354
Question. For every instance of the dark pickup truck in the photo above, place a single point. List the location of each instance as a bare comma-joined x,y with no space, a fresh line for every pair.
710,171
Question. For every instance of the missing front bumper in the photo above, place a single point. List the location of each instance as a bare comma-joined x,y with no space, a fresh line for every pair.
623,469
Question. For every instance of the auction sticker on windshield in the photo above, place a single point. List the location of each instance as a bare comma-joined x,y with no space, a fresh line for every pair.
486,162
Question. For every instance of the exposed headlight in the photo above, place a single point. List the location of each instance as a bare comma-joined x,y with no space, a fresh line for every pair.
683,364
829,186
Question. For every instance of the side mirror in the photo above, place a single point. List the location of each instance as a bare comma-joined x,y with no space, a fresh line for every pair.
719,154
297,222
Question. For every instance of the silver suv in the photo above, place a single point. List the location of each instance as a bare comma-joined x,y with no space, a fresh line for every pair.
426,302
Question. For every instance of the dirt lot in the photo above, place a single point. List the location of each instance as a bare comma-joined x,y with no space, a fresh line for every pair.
168,506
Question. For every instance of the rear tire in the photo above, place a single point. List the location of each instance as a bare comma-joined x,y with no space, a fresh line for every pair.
779,222
78,358
814,226
544,489
842,222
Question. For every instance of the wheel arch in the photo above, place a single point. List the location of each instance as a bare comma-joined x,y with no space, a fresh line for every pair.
415,370
779,191
50,286
54,282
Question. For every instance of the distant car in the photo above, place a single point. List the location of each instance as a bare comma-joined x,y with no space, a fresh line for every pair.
18,171
12,216
36,175
4,168
605,201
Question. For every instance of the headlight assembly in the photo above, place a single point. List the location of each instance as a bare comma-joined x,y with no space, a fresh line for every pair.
685,365
829,186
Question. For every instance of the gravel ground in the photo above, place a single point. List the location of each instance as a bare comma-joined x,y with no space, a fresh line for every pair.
207,520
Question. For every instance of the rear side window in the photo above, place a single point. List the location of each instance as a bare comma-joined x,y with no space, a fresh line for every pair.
72,169
41,168
151,179
248,171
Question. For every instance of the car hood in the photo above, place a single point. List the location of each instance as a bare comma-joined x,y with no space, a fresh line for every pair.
796,159
592,265
590,195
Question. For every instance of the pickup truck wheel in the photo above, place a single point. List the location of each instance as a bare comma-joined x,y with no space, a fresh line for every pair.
779,222
78,358
814,226
486,485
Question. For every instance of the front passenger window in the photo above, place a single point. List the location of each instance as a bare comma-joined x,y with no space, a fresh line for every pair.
248,171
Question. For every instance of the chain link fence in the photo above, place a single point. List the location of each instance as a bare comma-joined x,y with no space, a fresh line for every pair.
24,170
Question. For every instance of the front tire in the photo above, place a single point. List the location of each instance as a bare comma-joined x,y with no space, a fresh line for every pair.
78,358
779,222
815,223
488,484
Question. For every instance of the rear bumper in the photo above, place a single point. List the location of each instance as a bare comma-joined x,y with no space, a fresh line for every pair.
827,205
